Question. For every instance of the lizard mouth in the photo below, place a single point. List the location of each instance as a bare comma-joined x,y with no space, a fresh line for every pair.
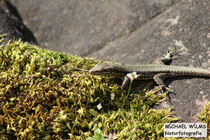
100,73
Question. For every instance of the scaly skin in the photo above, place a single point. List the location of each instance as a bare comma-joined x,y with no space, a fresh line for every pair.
157,72
148,71
145,72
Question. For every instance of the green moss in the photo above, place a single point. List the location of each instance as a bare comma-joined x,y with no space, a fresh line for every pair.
42,97
204,116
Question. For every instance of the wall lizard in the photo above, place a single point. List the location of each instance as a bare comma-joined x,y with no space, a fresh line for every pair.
157,72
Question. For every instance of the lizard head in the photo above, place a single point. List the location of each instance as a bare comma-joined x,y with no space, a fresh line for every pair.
102,69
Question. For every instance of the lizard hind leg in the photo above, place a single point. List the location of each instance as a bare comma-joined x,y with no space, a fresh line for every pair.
159,79
168,57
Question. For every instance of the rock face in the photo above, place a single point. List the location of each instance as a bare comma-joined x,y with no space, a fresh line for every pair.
83,27
11,24
130,32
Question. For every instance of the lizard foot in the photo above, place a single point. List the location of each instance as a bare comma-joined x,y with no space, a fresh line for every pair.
163,88
169,56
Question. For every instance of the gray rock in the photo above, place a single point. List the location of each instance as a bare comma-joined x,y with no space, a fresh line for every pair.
83,27
11,24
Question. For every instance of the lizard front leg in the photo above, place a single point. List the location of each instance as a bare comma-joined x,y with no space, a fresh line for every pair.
125,82
130,77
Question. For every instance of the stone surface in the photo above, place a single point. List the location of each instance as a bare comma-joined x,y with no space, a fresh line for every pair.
130,32
11,24
83,27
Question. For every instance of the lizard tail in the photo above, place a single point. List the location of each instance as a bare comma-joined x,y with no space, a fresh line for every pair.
192,71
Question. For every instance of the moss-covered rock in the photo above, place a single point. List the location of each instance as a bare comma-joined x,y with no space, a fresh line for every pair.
43,97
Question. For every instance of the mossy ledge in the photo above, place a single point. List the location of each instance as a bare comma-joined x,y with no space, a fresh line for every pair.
41,97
